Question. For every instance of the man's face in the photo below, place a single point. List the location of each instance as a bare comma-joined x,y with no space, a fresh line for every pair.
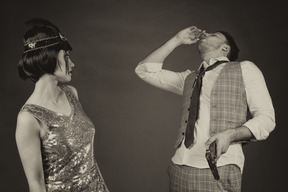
212,41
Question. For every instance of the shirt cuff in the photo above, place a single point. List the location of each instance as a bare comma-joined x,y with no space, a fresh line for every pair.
260,132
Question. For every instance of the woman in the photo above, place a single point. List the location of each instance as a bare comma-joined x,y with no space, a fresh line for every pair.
54,136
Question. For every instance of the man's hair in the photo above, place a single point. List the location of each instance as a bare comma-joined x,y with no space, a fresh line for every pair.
43,59
234,51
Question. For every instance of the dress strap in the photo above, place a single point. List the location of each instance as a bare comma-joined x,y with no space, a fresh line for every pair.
69,93
38,112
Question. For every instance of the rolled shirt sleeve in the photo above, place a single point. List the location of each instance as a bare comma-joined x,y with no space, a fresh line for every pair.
259,102
153,74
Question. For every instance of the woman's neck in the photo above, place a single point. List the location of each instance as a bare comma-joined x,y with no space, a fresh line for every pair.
46,89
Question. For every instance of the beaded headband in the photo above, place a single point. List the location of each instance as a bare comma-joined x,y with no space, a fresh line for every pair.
46,42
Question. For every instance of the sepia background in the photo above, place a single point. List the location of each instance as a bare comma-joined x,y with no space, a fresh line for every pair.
136,123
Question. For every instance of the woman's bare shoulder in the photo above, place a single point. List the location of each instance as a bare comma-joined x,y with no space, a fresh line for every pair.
26,124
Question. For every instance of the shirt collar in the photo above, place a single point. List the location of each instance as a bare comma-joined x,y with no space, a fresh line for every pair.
212,61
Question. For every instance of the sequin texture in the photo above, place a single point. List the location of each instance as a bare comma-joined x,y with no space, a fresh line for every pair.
68,149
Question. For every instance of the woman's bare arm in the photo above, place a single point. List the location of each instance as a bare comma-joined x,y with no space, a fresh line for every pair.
28,143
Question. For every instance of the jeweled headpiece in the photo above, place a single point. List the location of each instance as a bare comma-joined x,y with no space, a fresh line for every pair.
46,42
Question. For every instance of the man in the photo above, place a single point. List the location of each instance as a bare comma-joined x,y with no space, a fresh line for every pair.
227,90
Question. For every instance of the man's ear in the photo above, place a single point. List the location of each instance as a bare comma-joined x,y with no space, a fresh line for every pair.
226,48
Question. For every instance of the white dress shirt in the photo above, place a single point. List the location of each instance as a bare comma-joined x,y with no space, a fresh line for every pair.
258,99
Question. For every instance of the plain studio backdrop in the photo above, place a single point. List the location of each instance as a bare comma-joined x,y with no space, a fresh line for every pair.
136,124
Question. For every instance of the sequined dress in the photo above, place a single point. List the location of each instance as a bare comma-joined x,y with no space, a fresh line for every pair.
67,149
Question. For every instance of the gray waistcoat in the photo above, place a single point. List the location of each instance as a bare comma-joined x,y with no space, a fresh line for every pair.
228,107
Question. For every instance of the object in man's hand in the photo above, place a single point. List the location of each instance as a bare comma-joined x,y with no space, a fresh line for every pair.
210,156
198,33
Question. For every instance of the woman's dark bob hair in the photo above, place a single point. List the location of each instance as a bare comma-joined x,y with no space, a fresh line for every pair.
38,62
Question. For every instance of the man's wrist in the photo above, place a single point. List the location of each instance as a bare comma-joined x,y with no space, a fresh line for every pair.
230,135
175,42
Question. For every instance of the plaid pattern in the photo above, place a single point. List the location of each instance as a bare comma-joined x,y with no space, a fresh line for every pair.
228,101
189,179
